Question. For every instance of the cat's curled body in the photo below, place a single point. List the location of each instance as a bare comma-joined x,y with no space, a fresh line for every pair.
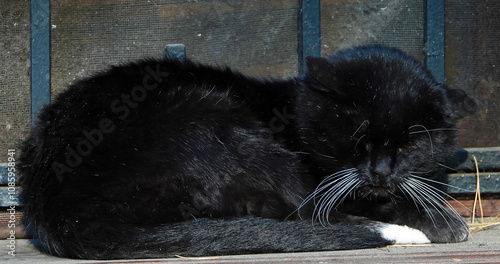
161,158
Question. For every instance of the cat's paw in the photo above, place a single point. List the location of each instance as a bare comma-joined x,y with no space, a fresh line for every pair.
401,234
459,232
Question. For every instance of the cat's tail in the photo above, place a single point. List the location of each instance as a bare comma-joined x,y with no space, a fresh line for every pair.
205,237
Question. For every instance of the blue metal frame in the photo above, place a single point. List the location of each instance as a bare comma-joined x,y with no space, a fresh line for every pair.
175,52
40,56
309,33
435,38
4,172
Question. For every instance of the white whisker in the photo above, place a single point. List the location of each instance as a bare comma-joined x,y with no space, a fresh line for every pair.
446,167
356,185
341,194
326,156
337,184
330,198
359,139
428,133
360,127
431,195
323,186
421,172
442,183
330,193
417,198
433,130
431,199
436,193
408,195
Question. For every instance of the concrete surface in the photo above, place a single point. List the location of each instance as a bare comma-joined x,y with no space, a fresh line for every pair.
482,247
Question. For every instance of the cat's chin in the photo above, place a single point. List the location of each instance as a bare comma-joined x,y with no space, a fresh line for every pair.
380,192
377,192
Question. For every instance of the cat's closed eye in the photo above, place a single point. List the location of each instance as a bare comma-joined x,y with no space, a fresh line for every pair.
407,147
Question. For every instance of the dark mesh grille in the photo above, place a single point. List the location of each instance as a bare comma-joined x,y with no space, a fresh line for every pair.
394,23
258,37
14,78
473,64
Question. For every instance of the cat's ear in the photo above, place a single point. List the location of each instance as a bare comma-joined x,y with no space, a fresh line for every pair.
322,71
462,104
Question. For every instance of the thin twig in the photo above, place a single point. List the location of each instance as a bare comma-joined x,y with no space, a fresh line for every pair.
477,197
476,227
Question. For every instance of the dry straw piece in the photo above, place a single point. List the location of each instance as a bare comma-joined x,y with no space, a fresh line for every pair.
473,226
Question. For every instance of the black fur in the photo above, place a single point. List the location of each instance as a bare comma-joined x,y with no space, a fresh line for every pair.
161,158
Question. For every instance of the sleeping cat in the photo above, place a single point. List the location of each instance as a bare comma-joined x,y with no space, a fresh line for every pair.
160,158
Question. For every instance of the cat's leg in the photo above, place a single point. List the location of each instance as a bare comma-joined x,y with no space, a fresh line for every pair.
401,234
397,234
208,237
439,224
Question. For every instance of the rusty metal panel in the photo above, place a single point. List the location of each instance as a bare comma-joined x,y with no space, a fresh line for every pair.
394,23
14,75
473,64
258,37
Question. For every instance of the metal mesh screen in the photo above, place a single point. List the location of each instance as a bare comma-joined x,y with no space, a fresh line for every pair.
14,76
394,23
258,37
473,64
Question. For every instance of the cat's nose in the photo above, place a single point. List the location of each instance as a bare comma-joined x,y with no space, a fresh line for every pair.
382,166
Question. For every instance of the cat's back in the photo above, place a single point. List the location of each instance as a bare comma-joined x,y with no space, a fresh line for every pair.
156,90
138,86
147,127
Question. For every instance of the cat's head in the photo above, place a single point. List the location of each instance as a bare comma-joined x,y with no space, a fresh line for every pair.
380,112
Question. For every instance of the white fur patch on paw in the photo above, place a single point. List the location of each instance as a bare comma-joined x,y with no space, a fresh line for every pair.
402,234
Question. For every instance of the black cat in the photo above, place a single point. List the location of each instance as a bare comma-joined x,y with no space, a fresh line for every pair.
161,158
